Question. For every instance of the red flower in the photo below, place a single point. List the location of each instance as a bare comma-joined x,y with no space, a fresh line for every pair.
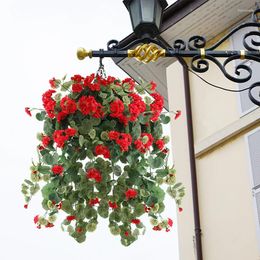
153,86
112,205
177,114
144,146
48,103
170,222
102,150
89,106
131,194
94,87
94,174
57,169
88,80
160,144
68,105
70,218
46,140
113,135
124,141
79,230
59,206
180,209
49,225
77,78
136,107
157,106
25,206
136,221
157,228
71,132
28,111
61,136
147,209
77,88
52,82
36,219
116,108
126,233
93,202
130,82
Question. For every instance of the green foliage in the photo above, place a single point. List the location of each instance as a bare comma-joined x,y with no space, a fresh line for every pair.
88,172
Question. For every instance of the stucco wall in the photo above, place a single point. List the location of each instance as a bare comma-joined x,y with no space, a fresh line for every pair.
226,203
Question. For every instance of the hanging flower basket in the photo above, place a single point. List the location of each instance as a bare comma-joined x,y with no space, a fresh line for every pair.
102,153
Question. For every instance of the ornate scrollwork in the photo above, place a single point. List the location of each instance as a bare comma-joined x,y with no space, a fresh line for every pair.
255,97
196,42
254,44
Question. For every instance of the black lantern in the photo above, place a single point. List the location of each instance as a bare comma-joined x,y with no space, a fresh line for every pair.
146,16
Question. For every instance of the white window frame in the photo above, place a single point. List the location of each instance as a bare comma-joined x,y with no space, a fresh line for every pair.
254,191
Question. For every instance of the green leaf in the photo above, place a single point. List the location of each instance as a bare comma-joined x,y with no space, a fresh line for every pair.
48,127
40,116
44,169
66,85
136,130
47,190
81,140
28,182
165,119
162,172
158,193
48,159
117,170
143,119
157,162
177,185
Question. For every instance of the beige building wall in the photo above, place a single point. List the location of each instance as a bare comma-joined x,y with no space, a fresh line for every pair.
228,221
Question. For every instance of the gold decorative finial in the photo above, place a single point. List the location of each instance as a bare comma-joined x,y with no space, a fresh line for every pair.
146,53
82,53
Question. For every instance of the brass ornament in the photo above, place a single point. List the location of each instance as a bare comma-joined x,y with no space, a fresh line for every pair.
146,53
82,53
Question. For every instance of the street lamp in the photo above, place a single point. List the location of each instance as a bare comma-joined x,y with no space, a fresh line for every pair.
146,16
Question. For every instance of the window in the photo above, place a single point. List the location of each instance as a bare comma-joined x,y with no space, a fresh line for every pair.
253,140
246,104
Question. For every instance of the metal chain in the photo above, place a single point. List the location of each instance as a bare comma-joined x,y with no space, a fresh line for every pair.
101,70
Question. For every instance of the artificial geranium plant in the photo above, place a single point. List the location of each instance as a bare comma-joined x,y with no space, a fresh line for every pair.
102,153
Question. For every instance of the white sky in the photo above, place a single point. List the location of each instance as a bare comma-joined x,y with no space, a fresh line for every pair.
38,41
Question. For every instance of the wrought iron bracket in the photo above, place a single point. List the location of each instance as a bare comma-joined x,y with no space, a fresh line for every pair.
150,50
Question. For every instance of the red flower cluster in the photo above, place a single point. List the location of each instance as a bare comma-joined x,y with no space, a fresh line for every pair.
112,205
70,218
136,107
136,221
157,106
68,105
89,106
48,103
122,139
93,202
46,141
102,150
77,78
61,136
57,169
95,174
131,194
117,108
144,146
160,144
